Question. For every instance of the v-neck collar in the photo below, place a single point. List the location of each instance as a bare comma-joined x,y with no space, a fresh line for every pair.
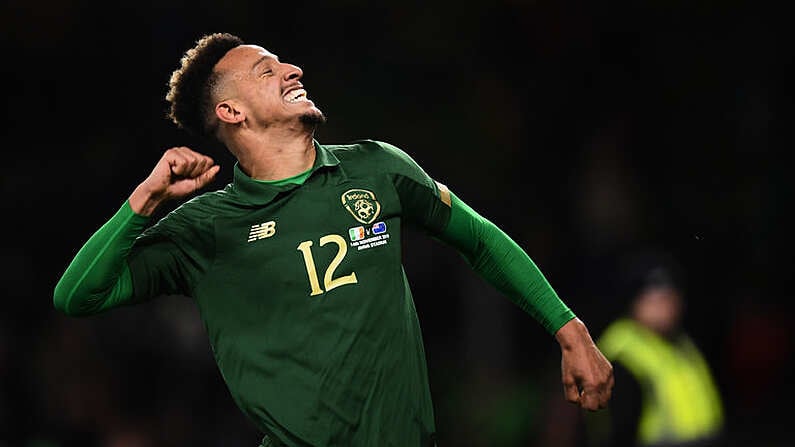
260,193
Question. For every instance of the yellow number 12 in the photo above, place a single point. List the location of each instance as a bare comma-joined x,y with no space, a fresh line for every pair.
328,278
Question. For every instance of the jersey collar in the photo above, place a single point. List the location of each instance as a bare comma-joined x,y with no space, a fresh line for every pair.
259,193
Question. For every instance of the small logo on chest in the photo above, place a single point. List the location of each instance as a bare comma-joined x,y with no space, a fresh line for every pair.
262,231
362,205
363,238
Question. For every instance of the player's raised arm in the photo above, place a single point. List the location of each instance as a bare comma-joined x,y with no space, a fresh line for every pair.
180,171
98,277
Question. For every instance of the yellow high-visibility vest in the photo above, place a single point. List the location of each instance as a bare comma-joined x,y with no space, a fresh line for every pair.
680,401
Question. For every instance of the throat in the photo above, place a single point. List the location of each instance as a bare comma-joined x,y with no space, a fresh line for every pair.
278,165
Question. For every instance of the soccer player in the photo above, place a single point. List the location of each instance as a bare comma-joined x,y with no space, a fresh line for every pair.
296,265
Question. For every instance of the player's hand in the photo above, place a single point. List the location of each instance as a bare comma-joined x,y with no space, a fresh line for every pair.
587,375
179,172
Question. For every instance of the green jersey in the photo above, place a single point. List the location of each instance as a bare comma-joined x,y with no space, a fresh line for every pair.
302,292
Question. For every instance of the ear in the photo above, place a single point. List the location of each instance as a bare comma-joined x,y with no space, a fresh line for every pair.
229,112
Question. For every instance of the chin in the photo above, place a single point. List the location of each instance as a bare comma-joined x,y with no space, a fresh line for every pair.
313,117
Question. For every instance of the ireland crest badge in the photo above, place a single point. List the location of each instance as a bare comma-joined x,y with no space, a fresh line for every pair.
362,205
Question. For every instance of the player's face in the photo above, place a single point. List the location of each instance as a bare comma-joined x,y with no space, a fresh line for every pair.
270,90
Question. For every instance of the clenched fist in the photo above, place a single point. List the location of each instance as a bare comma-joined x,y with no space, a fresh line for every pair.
179,172
586,374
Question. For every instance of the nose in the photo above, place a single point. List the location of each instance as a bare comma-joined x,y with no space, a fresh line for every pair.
292,72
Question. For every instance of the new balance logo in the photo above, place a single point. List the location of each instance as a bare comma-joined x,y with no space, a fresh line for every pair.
262,231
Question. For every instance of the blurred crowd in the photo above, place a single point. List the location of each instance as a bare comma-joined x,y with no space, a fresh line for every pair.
586,131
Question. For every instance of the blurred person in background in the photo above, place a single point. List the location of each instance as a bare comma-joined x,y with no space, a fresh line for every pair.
665,392
298,281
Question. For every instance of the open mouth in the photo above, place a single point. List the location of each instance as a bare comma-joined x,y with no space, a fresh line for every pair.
295,96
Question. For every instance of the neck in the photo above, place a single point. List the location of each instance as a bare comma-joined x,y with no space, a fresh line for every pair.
274,154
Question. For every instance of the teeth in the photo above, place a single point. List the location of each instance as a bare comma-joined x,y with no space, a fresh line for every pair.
296,95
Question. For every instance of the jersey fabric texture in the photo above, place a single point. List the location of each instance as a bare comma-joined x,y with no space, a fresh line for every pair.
302,292
303,296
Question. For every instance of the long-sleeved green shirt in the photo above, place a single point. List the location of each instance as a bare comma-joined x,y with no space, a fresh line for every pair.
301,289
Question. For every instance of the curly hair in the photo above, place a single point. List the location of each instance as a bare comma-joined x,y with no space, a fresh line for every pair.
191,85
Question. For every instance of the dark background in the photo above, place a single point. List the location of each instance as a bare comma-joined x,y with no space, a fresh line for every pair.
586,130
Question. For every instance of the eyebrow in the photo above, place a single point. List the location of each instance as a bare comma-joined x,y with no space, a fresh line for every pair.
264,58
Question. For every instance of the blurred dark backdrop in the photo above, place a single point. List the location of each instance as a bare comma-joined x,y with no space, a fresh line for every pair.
586,130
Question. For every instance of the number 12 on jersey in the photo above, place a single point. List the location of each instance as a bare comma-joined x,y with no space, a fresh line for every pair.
329,281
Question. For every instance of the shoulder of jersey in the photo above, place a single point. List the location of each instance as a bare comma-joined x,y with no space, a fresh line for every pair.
371,155
357,148
208,204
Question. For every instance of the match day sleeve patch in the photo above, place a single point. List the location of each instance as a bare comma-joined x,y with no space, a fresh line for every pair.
444,194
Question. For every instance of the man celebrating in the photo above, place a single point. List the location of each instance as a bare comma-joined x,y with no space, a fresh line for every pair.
296,265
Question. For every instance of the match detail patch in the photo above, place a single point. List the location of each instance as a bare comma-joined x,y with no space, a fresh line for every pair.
444,194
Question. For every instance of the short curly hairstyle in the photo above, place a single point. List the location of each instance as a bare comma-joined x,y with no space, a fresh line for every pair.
191,85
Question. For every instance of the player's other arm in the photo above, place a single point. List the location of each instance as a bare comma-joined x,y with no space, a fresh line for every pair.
98,277
586,373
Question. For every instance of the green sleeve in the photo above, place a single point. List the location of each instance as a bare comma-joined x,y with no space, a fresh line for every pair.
172,255
502,263
98,277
